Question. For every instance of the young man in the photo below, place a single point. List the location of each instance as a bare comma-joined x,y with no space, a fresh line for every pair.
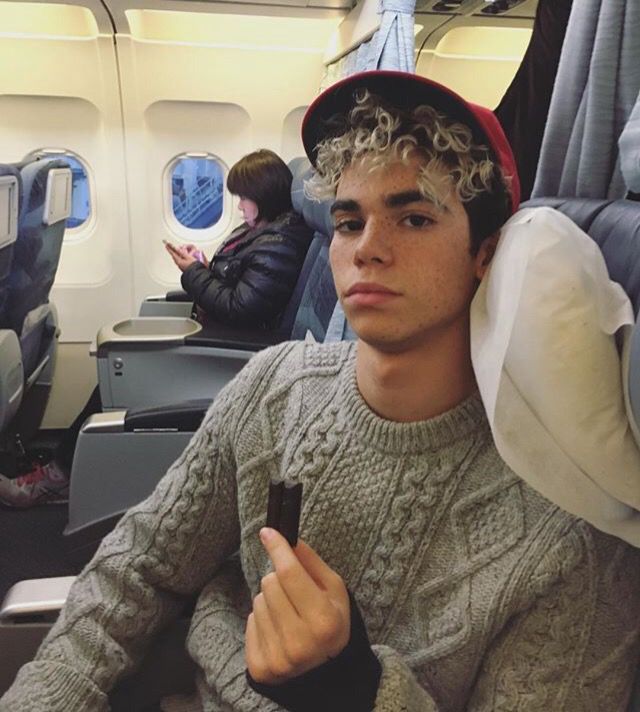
475,592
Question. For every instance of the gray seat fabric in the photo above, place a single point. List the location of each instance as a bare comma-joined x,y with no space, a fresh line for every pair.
314,296
315,213
319,295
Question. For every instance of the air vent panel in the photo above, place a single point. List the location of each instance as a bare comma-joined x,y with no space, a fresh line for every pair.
509,8
450,7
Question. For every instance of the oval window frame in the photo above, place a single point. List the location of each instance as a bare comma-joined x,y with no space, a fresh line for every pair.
175,227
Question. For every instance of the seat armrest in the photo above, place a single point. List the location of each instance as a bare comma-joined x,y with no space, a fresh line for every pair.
35,599
110,422
218,335
173,295
180,417
178,295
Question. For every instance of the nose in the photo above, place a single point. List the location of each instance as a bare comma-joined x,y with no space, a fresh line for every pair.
373,244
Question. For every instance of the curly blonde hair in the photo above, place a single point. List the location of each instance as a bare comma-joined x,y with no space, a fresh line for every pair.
383,135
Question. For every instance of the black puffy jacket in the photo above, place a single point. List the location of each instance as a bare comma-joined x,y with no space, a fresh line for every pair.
252,275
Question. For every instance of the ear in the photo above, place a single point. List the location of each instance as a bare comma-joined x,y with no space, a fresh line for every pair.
485,254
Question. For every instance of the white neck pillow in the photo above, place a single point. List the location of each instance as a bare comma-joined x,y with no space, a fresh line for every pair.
543,325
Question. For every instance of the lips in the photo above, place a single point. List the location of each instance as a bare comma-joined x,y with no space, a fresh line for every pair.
369,288
368,294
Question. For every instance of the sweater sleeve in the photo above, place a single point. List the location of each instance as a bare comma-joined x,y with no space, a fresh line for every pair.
346,683
254,293
161,552
572,645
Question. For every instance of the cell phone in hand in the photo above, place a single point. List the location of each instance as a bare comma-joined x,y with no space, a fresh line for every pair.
283,509
170,246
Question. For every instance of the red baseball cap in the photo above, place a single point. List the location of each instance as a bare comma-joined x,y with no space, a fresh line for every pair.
406,91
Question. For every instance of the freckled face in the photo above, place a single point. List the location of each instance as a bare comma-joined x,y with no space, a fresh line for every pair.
402,268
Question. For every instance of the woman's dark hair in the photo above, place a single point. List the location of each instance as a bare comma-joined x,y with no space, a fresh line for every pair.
262,176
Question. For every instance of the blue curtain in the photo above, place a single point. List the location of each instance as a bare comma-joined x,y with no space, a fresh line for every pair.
629,145
391,47
596,88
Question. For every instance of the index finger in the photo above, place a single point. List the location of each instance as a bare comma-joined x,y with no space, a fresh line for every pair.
296,582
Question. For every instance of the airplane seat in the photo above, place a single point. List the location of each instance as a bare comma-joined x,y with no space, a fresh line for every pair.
46,188
11,370
614,225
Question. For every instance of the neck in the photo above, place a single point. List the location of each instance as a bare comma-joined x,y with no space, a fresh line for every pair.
419,382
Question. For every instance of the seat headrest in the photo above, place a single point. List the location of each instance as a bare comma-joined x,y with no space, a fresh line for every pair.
10,195
44,184
315,213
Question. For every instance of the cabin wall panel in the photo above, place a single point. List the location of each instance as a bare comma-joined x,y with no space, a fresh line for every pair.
291,141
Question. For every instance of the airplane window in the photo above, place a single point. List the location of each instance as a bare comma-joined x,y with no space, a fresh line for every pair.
197,191
80,194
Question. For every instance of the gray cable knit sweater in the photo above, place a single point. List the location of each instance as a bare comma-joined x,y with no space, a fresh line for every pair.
477,593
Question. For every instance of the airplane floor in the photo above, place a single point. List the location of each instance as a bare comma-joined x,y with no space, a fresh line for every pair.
33,545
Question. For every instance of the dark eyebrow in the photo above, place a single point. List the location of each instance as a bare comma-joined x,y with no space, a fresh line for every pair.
349,206
398,200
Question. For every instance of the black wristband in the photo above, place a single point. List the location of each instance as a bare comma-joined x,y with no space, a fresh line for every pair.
347,683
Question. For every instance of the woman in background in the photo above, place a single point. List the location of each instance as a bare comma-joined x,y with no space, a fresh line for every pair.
251,276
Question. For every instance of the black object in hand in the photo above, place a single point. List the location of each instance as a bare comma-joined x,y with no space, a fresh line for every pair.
283,509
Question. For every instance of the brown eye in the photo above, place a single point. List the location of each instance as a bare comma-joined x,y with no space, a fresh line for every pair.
348,226
417,221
